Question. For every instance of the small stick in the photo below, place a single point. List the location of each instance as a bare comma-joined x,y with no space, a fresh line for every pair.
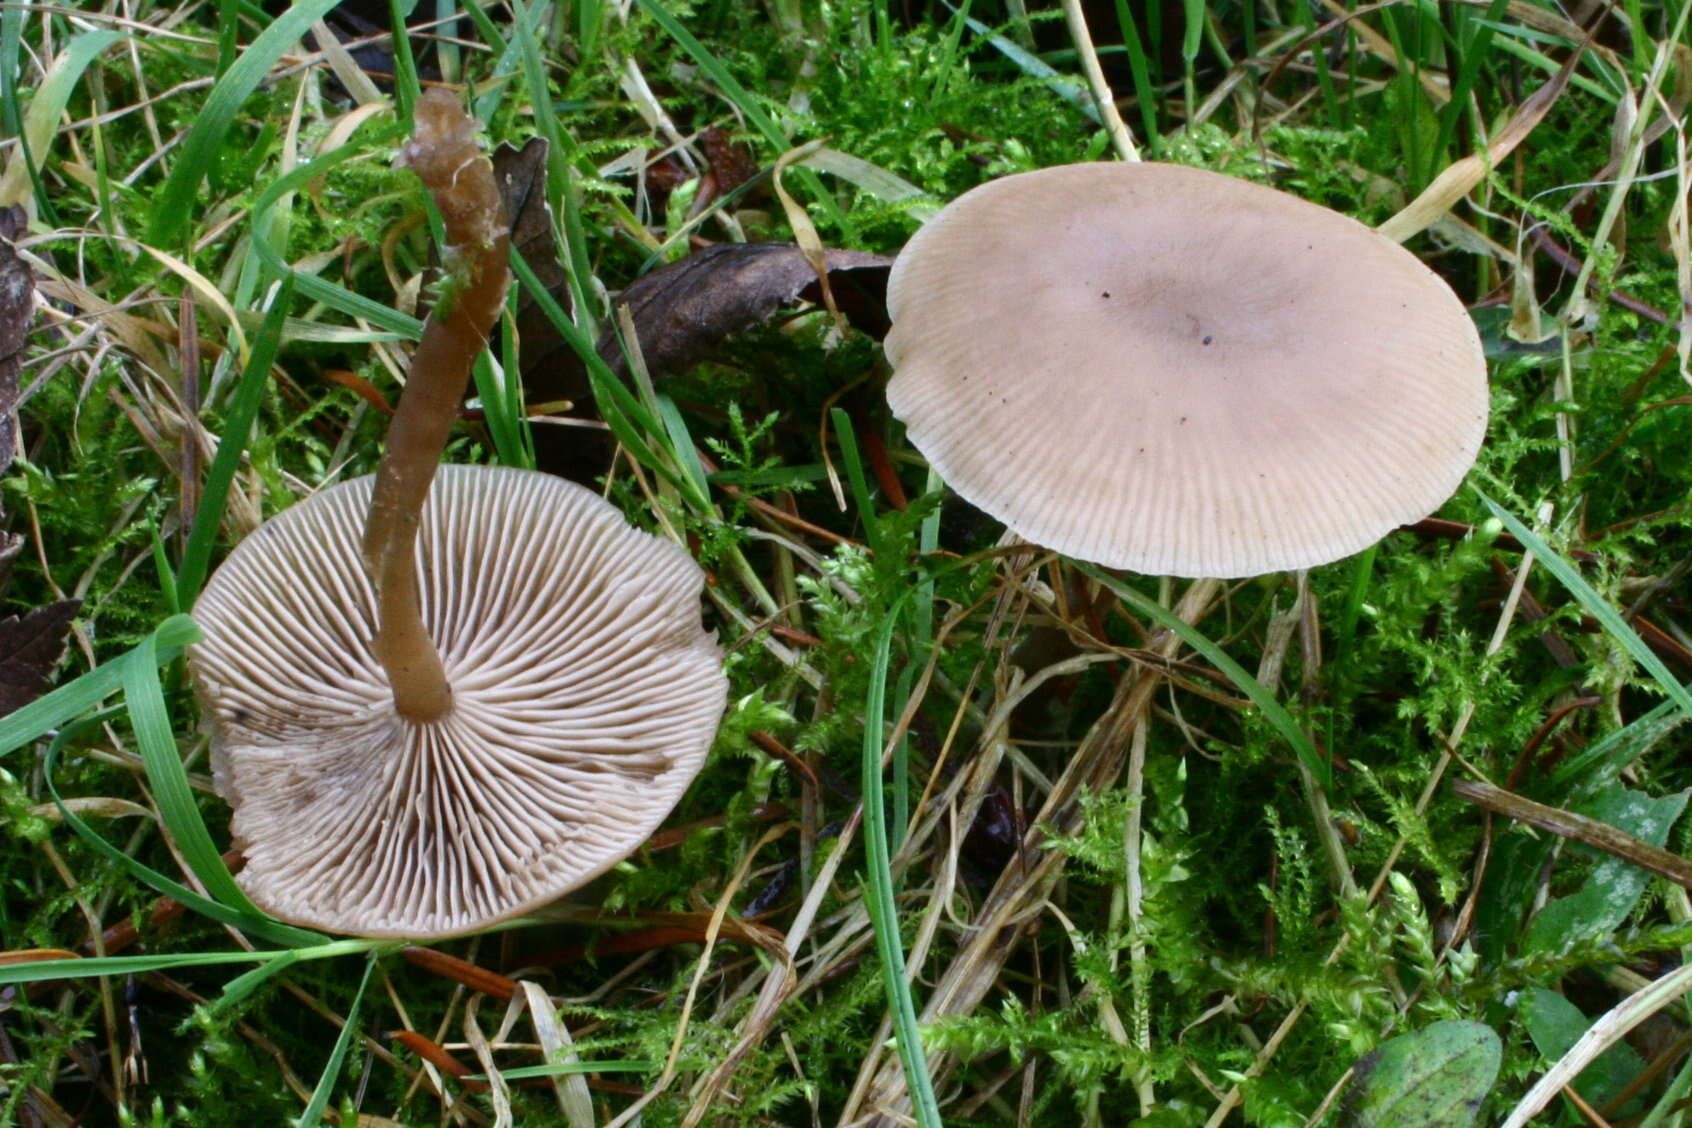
1600,835
444,154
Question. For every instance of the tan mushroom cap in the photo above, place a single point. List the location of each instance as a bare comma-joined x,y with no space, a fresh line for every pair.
585,696
1165,369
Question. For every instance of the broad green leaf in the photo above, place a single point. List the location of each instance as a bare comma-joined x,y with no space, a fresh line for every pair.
1436,1077
1555,1024
1615,884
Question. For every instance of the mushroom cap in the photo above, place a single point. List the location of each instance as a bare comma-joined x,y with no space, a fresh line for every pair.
585,696
1165,369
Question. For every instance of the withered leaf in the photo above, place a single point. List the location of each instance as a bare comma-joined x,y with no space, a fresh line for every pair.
521,175
30,646
683,310
17,305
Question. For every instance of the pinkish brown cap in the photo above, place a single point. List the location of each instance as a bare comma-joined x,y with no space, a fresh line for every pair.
1165,369
585,696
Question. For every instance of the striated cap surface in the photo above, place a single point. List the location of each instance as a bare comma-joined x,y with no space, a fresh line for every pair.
1165,369
585,696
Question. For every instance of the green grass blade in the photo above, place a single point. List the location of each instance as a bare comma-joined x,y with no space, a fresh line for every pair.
878,897
247,982
629,419
564,1068
54,709
681,441
1595,604
563,193
1145,92
260,926
167,574
144,697
1475,50
860,485
950,40
237,431
176,201
337,1057
1273,712
752,108
501,393
41,121
1610,755
39,971
406,88
1033,66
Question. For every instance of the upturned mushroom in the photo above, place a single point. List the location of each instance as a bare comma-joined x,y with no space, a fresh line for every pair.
438,701
1160,368
584,695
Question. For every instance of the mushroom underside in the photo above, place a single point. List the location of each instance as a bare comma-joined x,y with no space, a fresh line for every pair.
585,696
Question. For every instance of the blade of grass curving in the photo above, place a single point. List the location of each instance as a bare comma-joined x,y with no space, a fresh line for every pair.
406,87
901,762
58,707
681,442
501,392
144,698
1595,604
11,61
1273,712
247,982
338,1056
1345,633
505,63
317,289
557,1068
860,485
590,17
237,431
1610,755
37,971
167,574
628,418
950,39
228,27
719,75
1192,35
51,96
260,926
1033,66
1474,33
1611,1027
878,898
175,202
562,188
1145,93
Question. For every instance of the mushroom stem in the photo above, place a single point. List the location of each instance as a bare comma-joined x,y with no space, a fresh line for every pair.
444,154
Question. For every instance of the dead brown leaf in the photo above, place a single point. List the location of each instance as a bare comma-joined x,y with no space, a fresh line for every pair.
30,646
684,310
17,307
681,311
